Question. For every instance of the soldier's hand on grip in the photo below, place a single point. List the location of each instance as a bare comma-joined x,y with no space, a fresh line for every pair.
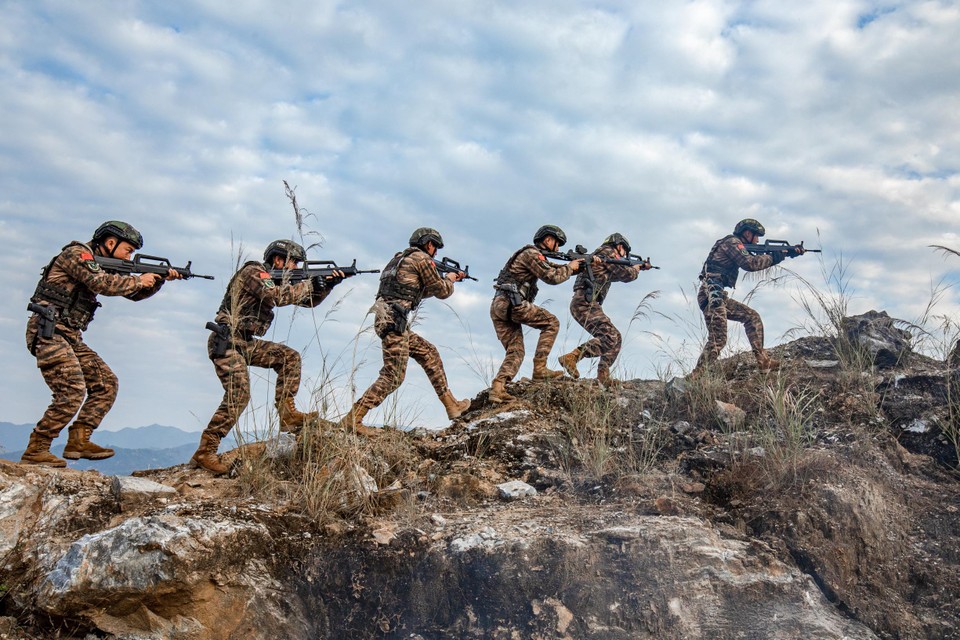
149,280
173,274
575,265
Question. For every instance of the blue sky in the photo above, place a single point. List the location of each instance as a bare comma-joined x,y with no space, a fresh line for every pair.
832,122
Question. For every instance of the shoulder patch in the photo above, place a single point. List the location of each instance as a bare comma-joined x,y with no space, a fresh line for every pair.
742,249
266,280
89,261
540,256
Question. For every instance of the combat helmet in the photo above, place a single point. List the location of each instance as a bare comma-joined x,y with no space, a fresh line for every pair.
286,248
749,224
550,230
617,238
120,231
421,236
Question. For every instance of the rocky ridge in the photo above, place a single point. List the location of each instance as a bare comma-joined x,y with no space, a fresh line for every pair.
820,501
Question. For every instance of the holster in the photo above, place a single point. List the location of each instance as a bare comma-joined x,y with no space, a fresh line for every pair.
222,340
400,320
511,292
715,293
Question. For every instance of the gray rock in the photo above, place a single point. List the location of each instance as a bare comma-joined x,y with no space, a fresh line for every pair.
283,445
515,489
132,492
875,333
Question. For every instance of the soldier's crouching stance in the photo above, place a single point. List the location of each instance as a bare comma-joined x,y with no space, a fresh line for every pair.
720,271
245,315
513,307
589,291
408,278
67,293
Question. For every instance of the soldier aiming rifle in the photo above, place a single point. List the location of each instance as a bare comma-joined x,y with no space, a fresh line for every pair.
63,306
721,269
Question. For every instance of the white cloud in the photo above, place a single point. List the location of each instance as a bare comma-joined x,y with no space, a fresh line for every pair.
484,119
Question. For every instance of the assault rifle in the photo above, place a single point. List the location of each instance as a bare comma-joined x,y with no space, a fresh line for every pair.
778,246
316,269
581,253
155,265
632,260
449,265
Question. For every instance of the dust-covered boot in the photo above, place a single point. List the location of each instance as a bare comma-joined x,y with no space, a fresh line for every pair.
498,392
353,421
766,363
541,372
79,445
38,452
206,456
569,363
603,376
293,421
454,407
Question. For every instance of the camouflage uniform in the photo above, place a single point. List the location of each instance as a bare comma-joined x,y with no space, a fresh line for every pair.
587,307
510,312
72,370
721,270
408,278
247,308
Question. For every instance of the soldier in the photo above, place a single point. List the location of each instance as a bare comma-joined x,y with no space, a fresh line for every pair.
408,278
69,285
589,291
513,307
245,315
721,270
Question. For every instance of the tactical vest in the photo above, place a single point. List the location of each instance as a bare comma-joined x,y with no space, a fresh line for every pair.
527,289
716,273
392,289
251,319
76,305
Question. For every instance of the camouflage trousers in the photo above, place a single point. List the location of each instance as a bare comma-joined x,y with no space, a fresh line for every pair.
508,322
73,371
717,309
397,349
606,341
231,368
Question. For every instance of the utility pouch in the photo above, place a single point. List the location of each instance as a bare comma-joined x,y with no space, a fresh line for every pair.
221,340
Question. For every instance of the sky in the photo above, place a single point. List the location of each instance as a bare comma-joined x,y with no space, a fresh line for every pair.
834,122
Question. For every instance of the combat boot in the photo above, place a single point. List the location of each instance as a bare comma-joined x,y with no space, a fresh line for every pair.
293,421
541,372
454,407
603,376
79,445
38,452
569,363
766,363
206,456
353,421
498,392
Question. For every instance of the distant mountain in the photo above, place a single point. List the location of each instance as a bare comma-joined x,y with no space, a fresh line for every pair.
126,461
14,437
